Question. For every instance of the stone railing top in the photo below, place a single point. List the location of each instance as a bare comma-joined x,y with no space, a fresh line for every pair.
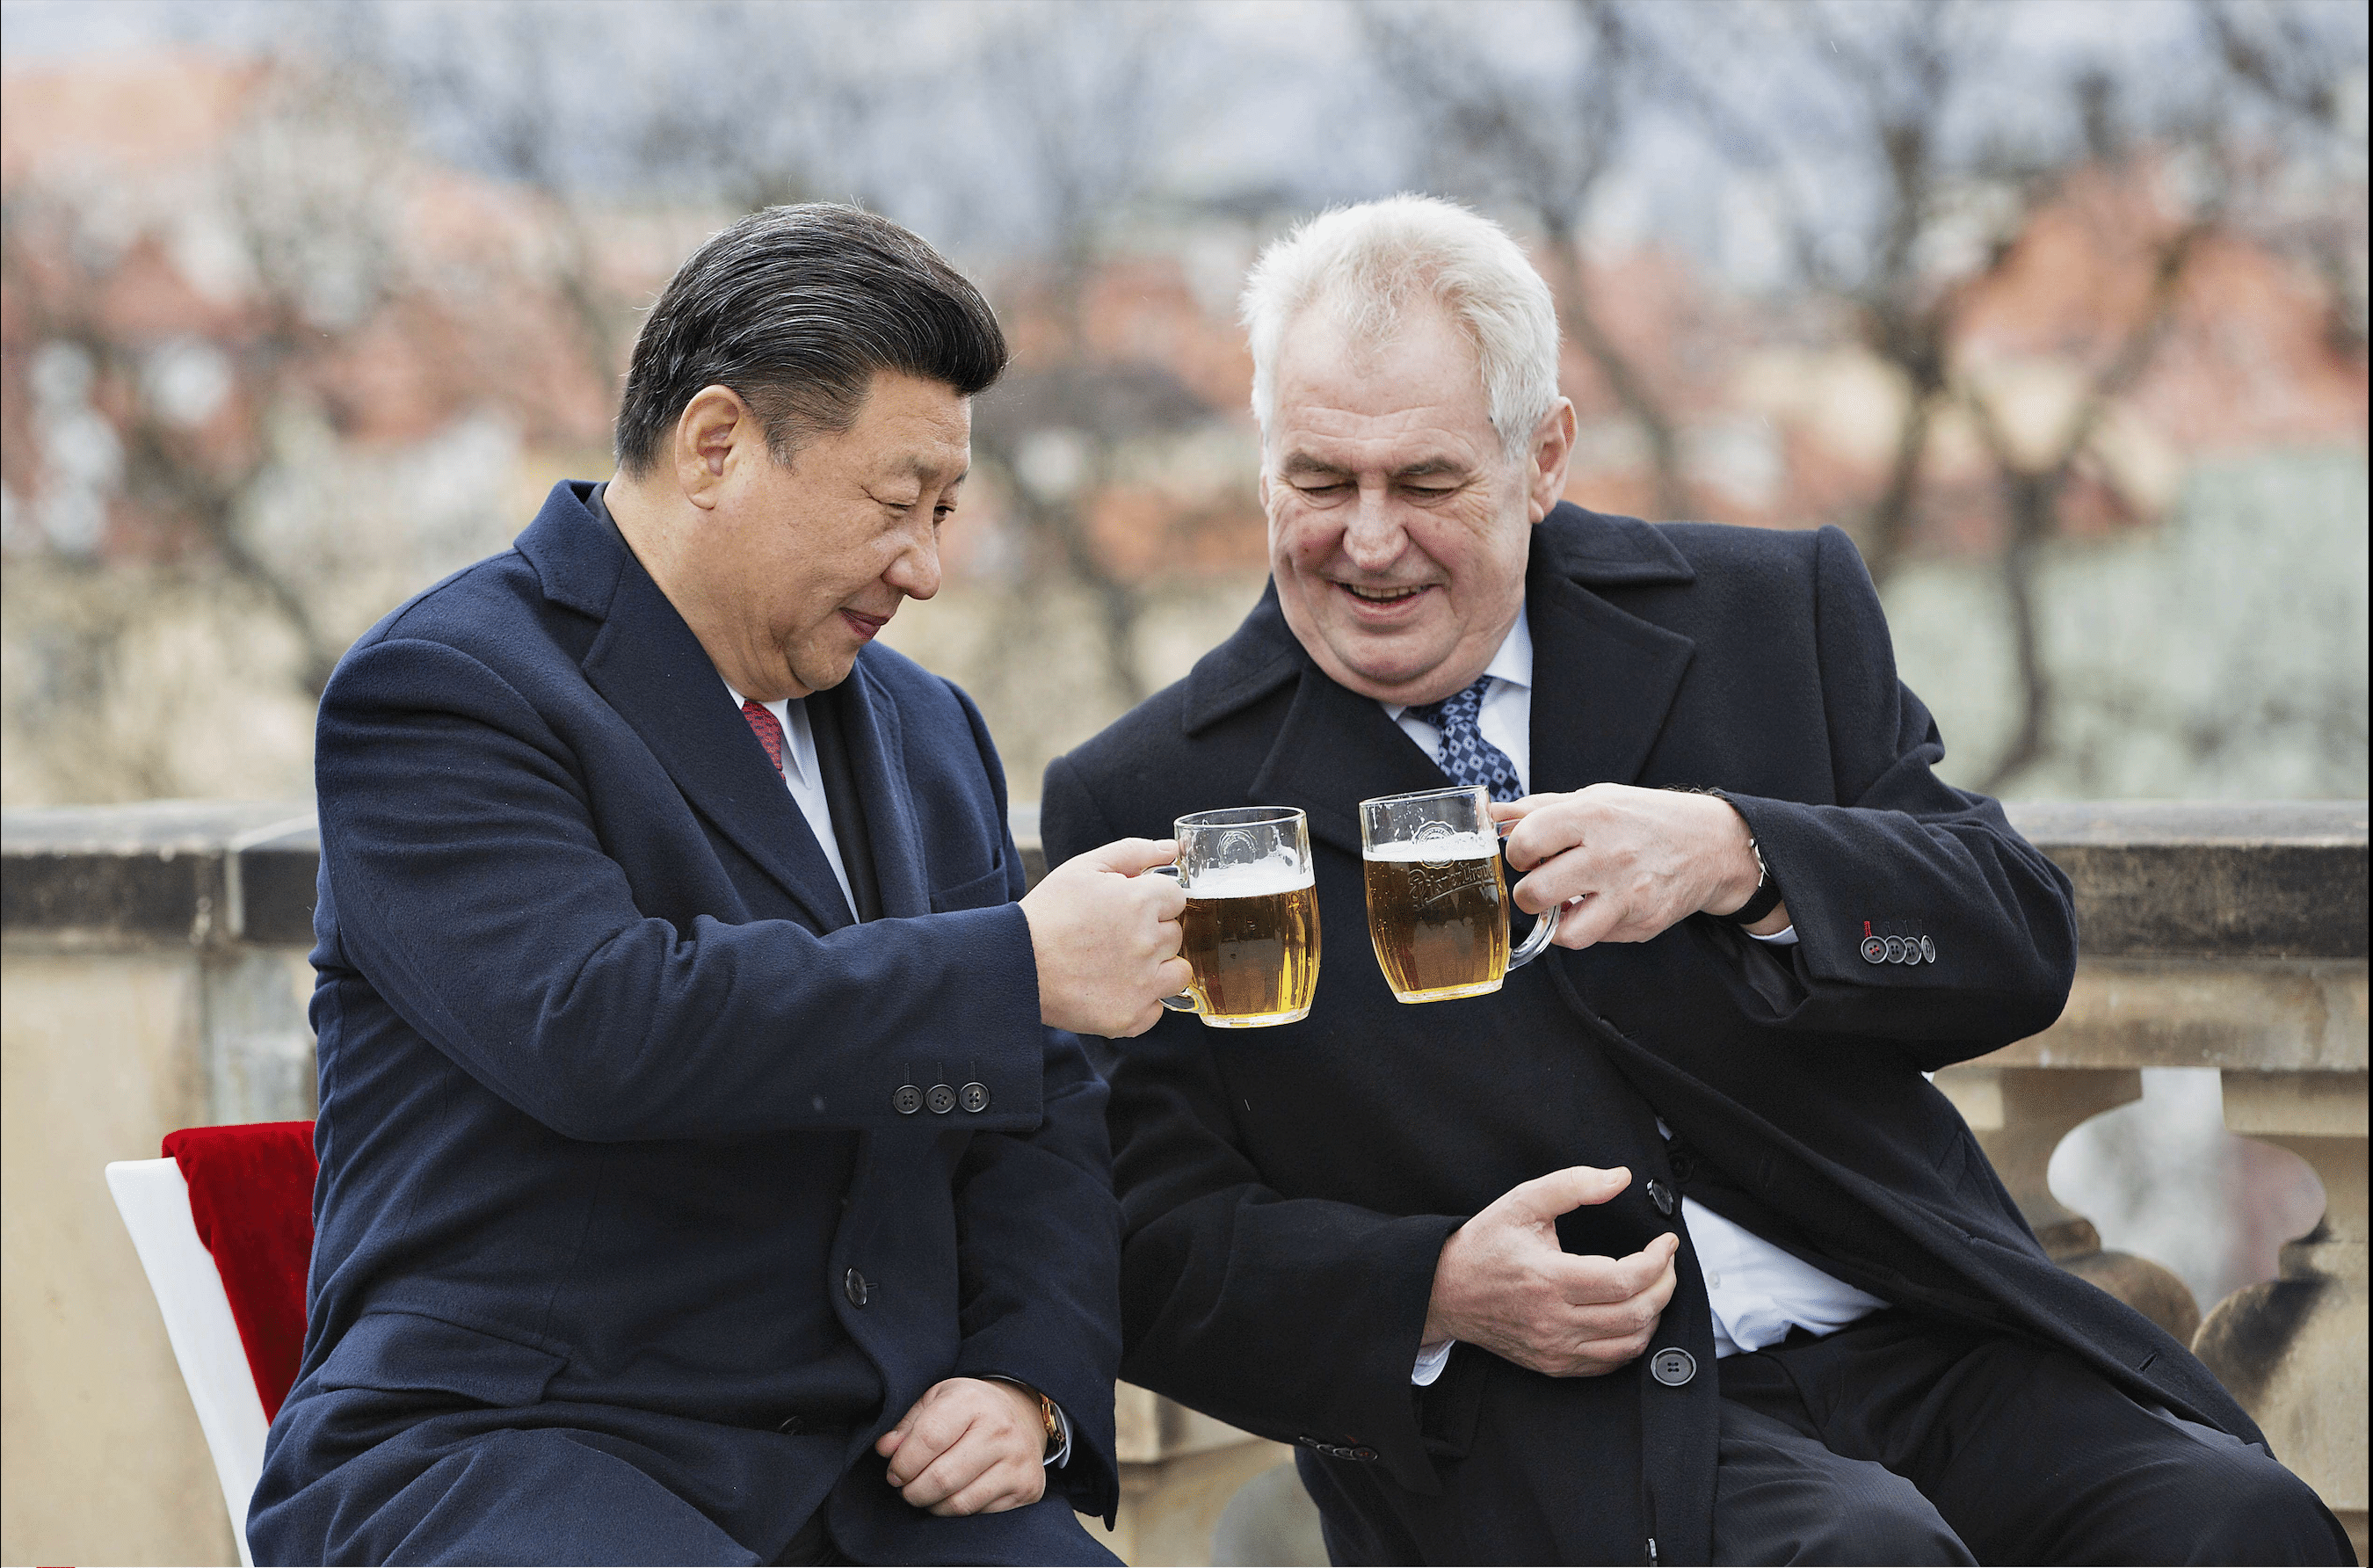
2283,879
2272,880
207,872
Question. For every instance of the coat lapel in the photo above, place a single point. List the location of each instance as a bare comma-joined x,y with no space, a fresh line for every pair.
649,666
1336,749
877,764
1602,679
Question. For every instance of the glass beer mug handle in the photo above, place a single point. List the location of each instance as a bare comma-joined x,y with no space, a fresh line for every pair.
1183,1001
1543,929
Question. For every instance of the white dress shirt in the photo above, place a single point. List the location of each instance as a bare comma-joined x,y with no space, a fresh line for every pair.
1758,1292
804,777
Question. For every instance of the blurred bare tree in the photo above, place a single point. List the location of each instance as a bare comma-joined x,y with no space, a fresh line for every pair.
1085,100
1539,132
438,221
1959,178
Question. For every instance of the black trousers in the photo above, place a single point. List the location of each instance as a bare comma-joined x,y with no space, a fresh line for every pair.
1894,1441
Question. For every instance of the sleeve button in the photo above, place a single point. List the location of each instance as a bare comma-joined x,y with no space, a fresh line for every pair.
940,1098
905,1099
974,1098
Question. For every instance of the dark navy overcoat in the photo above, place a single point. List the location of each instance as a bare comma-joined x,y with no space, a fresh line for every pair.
625,1251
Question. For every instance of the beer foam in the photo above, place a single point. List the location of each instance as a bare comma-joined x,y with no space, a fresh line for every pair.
1436,851
1249,882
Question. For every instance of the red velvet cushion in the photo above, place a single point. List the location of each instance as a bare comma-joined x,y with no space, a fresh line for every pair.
252,1194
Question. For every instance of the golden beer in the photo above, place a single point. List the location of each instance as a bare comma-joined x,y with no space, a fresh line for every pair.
1253,941
1438,916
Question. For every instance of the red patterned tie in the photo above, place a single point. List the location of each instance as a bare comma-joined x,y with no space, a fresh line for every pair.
769,732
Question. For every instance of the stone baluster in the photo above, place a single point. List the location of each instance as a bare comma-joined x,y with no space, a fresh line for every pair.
2020,1114
2292,1349
1179,1470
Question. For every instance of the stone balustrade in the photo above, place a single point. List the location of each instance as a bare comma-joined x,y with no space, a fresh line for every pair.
2230,937
155,977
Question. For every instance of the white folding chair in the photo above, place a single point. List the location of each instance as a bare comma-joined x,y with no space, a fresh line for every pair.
154,1202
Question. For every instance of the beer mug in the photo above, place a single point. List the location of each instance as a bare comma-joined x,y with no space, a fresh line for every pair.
1437,902
1251,927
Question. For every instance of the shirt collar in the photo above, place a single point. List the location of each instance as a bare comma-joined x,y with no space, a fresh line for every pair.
1512,665
793,767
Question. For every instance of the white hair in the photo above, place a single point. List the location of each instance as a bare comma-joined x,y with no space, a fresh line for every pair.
1366,263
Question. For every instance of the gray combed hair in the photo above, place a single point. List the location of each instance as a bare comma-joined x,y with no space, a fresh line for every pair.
1367,263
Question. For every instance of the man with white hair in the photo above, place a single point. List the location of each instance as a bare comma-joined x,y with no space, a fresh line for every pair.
1665,1251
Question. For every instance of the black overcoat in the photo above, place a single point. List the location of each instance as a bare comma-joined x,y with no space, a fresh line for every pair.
620,1206
1285,1192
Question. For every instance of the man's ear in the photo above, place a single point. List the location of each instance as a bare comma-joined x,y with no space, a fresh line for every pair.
717,432
1552,451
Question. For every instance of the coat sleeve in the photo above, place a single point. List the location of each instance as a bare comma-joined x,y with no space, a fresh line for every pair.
1038,1247
1295,1318
470,888
1900,852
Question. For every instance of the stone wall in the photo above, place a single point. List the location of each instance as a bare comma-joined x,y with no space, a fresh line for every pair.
153,976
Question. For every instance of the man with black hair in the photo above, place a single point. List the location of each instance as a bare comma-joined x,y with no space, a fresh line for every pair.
708,1171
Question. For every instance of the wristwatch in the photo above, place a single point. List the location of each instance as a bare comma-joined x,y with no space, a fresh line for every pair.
1766,897
1053,1419
1050,1416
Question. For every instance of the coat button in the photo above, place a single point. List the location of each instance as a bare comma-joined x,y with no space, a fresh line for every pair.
853,1286
790,1426
940,1098
1684,1163
1927,950
1673,1366
1874,949
974,1098
1661,1196
905,1099
1894,945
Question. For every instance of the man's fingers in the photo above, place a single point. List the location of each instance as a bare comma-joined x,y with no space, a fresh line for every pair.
929,1434
995,1490
946,1476
1588,922
1130,857
1595,1282
1519,809
1561,1192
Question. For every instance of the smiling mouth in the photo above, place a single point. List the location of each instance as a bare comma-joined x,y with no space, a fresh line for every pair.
1383,595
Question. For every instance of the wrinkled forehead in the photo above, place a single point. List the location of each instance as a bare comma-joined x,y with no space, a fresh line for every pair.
1335,367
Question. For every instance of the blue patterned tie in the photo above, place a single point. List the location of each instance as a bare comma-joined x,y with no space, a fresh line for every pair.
1467,757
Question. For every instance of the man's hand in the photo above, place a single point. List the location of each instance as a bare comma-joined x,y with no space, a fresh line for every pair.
1503,1282
1107,939
1642,860
968,1446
